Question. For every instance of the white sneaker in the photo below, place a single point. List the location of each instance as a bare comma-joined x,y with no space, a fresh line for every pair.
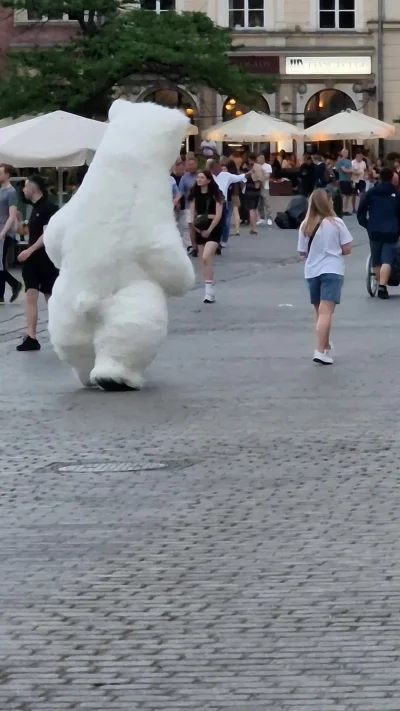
269,222
322,358
209,297
261,222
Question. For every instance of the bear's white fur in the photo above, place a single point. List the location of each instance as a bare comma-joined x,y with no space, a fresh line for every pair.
119,251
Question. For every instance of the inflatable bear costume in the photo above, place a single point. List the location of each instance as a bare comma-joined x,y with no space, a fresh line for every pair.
119,251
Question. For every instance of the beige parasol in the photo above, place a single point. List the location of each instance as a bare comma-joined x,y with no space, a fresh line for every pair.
255,127
192,130
349,124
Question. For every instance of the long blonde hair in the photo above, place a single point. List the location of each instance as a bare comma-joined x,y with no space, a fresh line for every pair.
320,206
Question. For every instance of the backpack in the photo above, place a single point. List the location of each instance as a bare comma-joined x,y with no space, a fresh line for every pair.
282,221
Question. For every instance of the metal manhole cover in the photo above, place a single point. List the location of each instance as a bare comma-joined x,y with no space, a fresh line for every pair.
111,467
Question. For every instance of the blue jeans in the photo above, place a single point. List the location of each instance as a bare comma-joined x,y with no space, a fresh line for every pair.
325,287
226,218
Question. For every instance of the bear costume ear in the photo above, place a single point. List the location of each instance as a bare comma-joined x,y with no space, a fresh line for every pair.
118,107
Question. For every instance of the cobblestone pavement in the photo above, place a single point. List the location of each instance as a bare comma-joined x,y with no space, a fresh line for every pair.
226,539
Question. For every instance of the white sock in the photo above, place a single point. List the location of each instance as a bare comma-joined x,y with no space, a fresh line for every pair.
209,285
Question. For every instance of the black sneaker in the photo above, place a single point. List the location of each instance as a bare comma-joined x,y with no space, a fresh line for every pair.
383,292
16,292
29,344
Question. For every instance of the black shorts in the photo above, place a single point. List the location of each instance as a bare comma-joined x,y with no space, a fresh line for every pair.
383,252
345,187
215,236
251,201
359,188
39,273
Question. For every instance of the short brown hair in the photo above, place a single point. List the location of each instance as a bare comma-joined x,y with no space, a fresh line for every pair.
7,168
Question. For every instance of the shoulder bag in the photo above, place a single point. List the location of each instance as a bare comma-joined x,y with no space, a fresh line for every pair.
202,222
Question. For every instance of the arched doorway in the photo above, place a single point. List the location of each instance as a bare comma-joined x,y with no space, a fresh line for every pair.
175,98
323,105
232,109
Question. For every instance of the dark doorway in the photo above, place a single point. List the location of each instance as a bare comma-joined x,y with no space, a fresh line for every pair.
323,105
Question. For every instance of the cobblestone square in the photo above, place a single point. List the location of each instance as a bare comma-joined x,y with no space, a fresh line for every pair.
226,539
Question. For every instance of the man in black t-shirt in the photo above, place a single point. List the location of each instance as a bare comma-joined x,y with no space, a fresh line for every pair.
322,173
38,272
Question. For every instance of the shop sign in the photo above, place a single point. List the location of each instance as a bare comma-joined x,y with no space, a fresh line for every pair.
325,66
257,65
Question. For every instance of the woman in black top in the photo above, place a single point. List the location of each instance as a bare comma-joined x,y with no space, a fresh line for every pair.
206,203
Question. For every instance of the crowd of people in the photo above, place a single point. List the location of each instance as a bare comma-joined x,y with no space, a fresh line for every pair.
207,200
223,191
205,214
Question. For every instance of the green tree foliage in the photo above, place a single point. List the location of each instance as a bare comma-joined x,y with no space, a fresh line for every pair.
118,43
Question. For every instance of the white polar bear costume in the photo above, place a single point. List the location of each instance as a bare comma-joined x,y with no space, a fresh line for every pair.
119,251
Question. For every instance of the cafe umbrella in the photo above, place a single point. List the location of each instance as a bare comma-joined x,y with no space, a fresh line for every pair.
253,127
349,125
55,140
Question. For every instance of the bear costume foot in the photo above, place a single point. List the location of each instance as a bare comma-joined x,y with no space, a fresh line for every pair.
114,377
112,386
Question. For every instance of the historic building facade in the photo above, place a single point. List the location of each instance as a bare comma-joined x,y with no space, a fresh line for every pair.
322,54
326,53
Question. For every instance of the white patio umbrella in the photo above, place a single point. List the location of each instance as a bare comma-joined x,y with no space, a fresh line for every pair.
349,124
55,140
255,127
192,130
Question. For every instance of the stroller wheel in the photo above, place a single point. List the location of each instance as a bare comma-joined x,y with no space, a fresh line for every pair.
372,286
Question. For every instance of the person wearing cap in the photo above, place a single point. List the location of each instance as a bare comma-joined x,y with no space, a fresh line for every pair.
38,272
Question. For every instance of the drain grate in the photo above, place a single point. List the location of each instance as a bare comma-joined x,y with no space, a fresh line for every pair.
88,468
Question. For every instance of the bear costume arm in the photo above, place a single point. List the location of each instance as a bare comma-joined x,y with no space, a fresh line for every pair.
53,237
166,262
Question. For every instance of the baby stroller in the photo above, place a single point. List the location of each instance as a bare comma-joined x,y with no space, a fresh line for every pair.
372,286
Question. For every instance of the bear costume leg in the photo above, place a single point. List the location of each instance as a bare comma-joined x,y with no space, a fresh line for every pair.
82,360
71,334
133,325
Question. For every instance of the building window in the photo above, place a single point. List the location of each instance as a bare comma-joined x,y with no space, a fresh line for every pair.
37,17
32,13
158,5
337,14
246,14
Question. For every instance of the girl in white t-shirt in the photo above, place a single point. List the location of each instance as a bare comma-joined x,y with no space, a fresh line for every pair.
323,242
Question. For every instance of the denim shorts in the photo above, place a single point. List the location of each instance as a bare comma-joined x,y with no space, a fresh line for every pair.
383,252
325,287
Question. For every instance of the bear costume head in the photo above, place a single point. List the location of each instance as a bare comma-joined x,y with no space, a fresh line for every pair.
157,132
